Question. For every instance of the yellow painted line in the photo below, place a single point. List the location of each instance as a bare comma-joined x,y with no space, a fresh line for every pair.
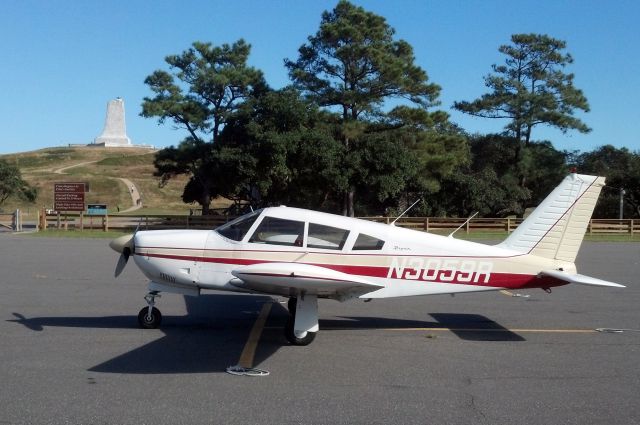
573,331
249,351
507,293
346,328
566,331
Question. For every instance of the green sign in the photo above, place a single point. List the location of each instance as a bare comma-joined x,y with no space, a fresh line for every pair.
96,209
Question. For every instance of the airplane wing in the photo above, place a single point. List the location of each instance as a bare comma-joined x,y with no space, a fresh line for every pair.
580,278
289,278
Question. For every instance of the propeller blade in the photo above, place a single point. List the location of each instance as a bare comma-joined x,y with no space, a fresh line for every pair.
123,245
122,262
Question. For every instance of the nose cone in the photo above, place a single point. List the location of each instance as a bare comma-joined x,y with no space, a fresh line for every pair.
119,244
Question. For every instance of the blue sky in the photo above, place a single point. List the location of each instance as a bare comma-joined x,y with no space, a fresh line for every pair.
62,61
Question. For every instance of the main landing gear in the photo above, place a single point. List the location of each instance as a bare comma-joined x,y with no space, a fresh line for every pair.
150,317
302,324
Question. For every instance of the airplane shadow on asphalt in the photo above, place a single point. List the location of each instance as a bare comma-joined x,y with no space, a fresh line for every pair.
469,327
212,335
209,338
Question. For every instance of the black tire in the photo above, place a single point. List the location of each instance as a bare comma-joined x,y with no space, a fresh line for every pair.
149,322
293,339
291,305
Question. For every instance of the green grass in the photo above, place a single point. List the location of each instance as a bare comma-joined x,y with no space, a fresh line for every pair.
613,238
499,236
126,160
88,234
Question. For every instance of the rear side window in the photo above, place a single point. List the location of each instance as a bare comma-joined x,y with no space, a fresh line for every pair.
326,237
236,229
366,242
277,231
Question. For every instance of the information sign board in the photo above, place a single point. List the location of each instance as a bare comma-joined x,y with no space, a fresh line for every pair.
68,196
96,209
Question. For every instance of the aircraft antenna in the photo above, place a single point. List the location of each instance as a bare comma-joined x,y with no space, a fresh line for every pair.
404,212
460,227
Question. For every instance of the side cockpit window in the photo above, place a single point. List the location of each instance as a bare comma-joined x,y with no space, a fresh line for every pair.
368,243
278,231
236,229
326,237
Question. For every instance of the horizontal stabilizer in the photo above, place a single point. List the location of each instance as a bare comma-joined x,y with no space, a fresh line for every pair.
580,279
286,278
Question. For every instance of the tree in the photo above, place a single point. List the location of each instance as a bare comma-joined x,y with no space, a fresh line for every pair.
621,167
437,147
12,184
353,65
490,185
530,89
294,147
208,87
485,184
545,167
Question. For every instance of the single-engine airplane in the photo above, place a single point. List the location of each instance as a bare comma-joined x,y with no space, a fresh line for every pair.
305,255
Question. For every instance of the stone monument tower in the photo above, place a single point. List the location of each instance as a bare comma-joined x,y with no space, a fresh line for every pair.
115,131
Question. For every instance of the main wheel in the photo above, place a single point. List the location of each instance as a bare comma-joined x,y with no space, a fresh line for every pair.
151,321
291,336
291,305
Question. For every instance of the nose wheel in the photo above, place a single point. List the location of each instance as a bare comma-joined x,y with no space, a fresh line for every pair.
303,312
150,317
297,337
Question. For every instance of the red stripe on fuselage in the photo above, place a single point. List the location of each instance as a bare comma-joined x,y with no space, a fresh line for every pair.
496,280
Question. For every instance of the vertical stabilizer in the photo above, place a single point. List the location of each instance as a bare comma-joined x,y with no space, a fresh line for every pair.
556,228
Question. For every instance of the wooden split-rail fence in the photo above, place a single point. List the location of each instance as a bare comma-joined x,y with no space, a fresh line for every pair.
441,225
11,221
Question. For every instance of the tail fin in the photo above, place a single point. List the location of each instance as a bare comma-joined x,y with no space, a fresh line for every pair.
556,228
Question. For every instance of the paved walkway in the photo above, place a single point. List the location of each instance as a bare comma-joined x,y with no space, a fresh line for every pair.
63,169
136,200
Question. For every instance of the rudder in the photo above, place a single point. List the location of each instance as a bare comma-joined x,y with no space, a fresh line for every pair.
556,228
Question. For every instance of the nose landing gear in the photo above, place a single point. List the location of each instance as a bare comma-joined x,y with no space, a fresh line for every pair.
303,312
150,317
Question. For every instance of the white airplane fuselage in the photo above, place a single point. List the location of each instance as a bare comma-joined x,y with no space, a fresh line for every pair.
410,262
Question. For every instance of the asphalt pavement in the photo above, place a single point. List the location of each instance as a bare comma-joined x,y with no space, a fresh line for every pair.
71,351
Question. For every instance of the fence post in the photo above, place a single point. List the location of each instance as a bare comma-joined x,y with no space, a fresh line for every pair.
632,227
467,225
14,221
42,215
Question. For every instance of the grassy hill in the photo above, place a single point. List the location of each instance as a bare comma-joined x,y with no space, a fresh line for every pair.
101,168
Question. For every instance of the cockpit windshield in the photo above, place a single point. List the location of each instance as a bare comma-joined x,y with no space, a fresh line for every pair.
238,228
